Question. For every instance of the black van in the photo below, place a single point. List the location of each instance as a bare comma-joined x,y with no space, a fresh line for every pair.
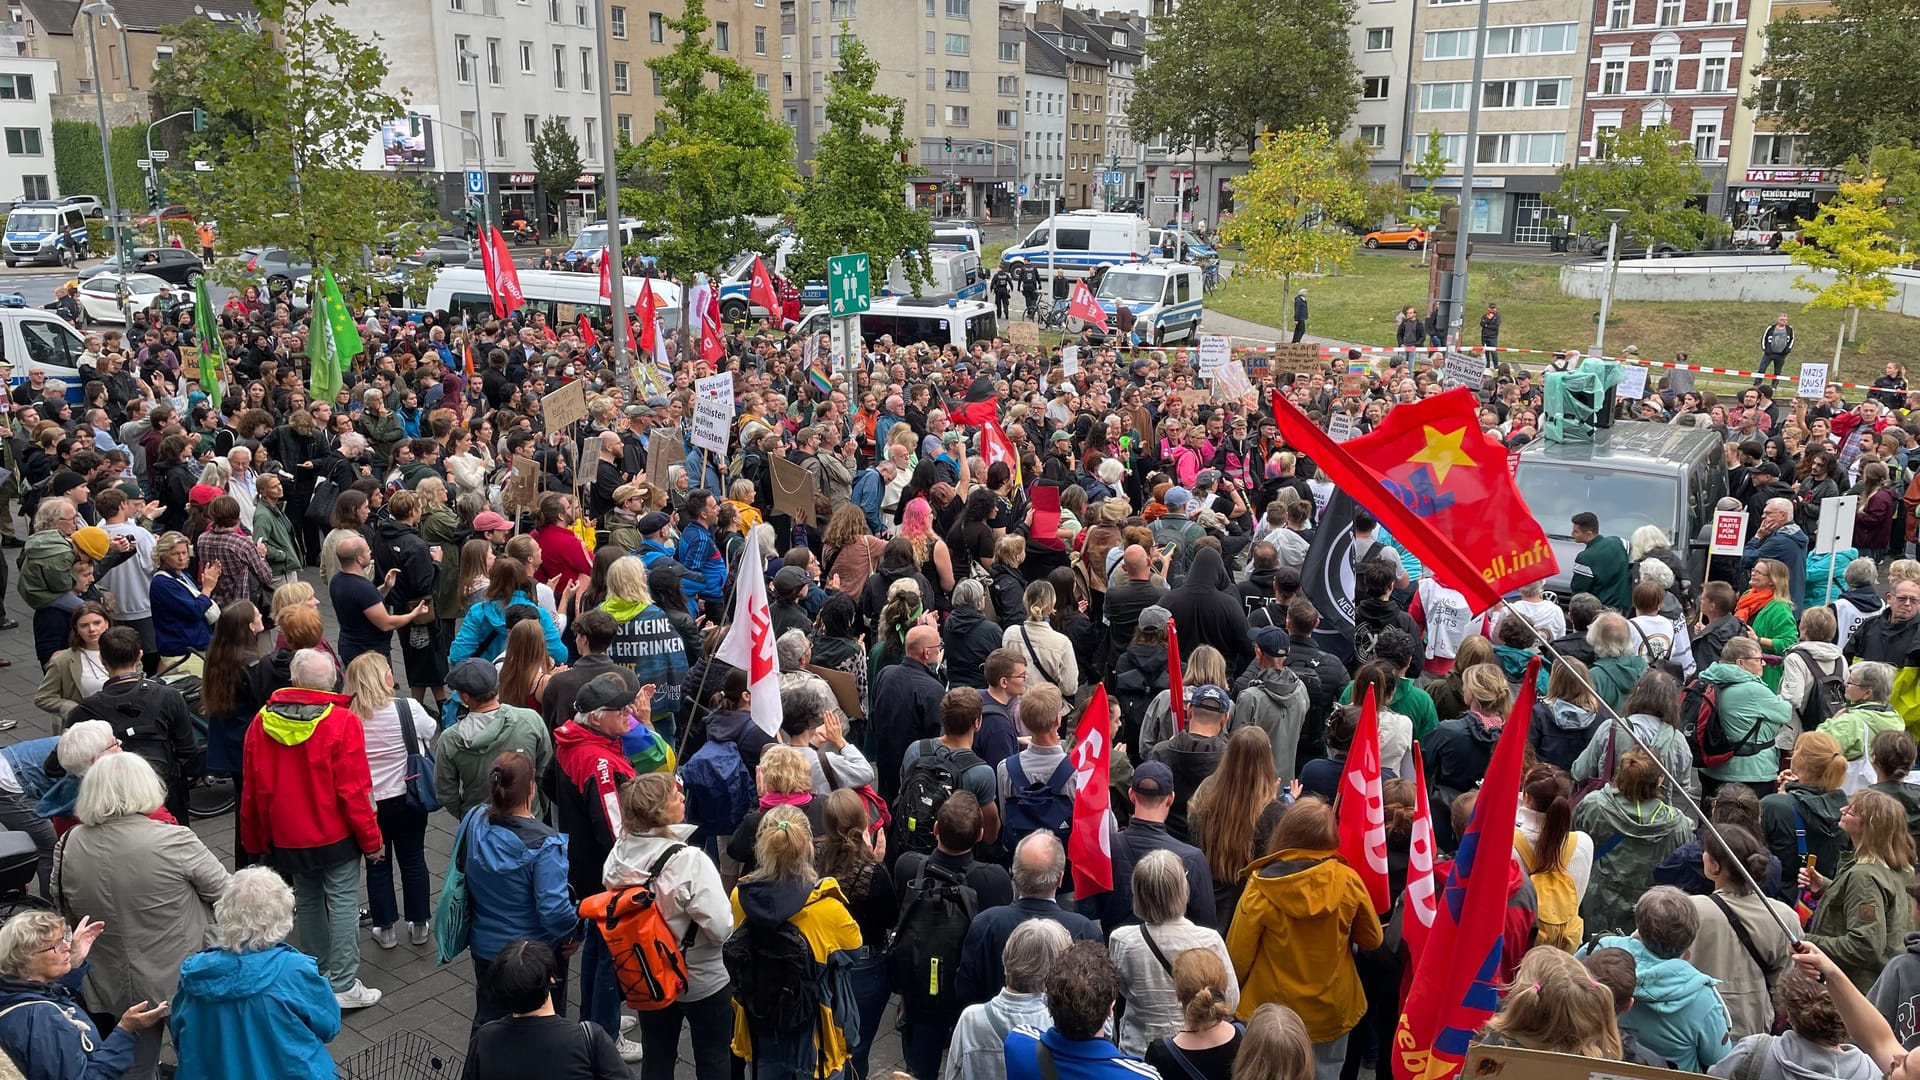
1630,475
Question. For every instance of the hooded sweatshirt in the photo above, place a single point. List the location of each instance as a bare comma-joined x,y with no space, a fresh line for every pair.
1560,730
1676,1013
1292,936
1621,870
979,1040
1897,994
688,891
1192,758
1798,810
820,914
266,1013
1746,705
588,769
1372,615
649,645
1206,612
307,803
1275,701
465,753
1789,1057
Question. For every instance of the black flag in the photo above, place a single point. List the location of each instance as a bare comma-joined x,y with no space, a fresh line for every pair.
1326,577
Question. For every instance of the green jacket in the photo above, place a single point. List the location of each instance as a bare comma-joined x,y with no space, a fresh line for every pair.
464,753
46,568
1601,569
1629,840
1410,701
1862,920
384,433
441,528
1744,700
1614,676
272,526
1775,622
1855,727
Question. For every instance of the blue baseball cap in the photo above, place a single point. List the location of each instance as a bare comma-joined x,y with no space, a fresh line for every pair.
1212,699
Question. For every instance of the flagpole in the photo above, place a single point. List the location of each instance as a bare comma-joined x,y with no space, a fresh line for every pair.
1792,932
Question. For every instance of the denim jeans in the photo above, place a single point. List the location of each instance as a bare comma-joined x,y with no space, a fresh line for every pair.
486,1009
326,920
17,815
405,831
870,992
711,1022
1328,1058
600,996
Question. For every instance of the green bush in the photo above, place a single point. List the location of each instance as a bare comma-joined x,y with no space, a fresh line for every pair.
77,168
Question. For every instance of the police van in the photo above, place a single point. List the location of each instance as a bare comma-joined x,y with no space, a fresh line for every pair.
562,296
1164,297
33,339
1078,242
957,235
1166,245
954,273
45,232
911,320
593,240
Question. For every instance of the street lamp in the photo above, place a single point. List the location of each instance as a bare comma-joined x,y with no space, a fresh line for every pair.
1614,218
95,10
472,60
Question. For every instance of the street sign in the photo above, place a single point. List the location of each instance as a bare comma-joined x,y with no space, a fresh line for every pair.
476,182
143,164
849,290
1115,178
1166,199
1023,190
159,155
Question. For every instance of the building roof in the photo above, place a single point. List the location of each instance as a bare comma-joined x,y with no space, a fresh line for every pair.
1102,27
1044,57
138,16
54,16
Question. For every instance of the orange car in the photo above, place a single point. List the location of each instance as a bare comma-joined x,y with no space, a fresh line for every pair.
1411,237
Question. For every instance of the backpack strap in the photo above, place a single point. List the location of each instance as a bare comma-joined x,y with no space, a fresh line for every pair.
1016,776
1060,774
1606,849
1746,939
1154,948
1044,1058
1034,655
1756,1058
1799,833
1180,1058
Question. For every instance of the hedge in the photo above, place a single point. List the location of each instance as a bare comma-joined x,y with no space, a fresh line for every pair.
76,162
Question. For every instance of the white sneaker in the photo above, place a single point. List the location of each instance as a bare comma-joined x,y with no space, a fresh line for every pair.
419,933
357,996
627,1022
385,937
629,1051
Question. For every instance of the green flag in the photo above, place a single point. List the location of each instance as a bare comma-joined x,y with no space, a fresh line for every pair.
333,339
205,329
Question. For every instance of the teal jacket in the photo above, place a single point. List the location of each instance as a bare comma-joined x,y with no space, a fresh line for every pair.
1818,594
1676,1012
1745,701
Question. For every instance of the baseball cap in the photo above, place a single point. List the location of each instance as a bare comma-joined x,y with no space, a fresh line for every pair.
487,521
652,522
663,571
202,494
1271,640
1155,618
1767,468
475,677
609,691
1063,435
638,410
790,578
1207,478
1177,497
92,541
1152,778
1211,698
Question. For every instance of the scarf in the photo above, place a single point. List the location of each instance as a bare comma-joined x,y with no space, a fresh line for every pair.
774,798
1750,604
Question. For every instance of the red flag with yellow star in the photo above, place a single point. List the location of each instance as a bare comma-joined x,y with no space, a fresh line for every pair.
1442,489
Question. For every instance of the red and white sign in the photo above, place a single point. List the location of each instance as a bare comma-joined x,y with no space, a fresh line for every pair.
1729,532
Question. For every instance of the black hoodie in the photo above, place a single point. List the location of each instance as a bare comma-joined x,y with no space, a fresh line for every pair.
1372,615
1206,612
1192,758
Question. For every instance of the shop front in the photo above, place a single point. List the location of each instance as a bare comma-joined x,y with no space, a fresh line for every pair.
1771,200
519,198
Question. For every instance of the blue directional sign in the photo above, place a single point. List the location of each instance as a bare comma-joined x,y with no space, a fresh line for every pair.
476,182
1023,190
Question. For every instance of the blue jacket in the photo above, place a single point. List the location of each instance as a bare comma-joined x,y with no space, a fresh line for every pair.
180,621
1787,544
483,632
242,1015
646,643
1073,1059
1817,592
706,567
652,551
1676,1012
516,883
48,1034
981,973
868,489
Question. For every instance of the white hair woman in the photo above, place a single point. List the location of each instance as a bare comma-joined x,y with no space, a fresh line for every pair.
42,963
1160,888
253,1005
79,747
979,1051
152,883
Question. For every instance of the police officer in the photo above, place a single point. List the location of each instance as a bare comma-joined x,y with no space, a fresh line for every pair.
1002,293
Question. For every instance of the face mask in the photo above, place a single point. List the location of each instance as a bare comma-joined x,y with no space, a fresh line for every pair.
569,370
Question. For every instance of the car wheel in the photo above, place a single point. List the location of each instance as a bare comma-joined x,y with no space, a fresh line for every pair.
1413,245
193,278
733,311
11,263
1159,337
1373,242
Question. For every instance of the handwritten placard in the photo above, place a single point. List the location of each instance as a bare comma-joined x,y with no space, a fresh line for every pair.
567,405
1813,381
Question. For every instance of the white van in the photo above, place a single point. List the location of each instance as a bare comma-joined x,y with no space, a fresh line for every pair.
562,296
954,272
36,339
1164,298
957,235
1079,241
593,238
918,320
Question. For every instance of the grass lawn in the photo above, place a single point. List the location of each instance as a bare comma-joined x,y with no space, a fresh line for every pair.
1359,305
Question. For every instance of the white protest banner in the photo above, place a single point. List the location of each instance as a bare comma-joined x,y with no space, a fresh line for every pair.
713,412
1834,532
1729,533
1215,350
1069,360
1813,381
1633,382
1464,369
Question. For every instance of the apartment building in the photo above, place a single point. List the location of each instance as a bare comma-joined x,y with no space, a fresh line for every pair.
132,40
1676,63
1043,159
957,64
1123,38
746,31
1536,54
1772,181
27,85
1382,40
1086,146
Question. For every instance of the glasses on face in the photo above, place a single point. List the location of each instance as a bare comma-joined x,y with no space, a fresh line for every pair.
1898,599
62,944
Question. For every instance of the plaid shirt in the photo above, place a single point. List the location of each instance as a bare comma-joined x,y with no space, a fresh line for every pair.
239,561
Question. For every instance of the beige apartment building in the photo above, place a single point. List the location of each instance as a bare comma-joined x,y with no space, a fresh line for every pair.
747,31
1772,181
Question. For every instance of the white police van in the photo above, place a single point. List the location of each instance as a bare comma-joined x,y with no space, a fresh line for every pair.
1164,297
912,320
1077,243
593,239
955,273
561,295
33,339
45,232
957,235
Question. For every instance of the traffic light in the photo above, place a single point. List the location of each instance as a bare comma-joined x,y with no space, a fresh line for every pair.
949,144
413,124
153,193
199,119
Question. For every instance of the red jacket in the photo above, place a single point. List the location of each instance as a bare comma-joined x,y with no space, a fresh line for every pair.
562,557
307,799
588,770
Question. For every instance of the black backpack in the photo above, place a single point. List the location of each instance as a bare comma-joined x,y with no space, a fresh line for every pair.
935,775
923,961
1827,696
776,980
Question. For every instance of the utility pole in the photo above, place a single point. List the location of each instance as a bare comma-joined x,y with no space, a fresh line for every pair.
616,274
1456,298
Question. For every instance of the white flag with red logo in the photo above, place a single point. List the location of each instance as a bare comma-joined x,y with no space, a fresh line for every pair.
1423,902
1088,847
1362,812
1085,308
713,343
749,641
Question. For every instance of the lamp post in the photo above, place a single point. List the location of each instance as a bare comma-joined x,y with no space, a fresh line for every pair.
95,10
1614,218
472,60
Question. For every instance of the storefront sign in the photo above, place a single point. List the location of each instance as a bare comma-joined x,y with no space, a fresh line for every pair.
1791,176
1749,195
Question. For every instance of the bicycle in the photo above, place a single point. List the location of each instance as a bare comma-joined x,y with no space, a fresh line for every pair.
1054,316
1210,278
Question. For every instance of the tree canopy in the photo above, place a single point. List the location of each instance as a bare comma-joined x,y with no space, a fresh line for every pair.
556,160
1844,77
1288,204
1652,175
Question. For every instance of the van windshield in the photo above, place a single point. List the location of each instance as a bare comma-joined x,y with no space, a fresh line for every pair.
1133,287
36,221
1624,501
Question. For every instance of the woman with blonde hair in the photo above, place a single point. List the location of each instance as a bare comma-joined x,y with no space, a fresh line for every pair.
403,827
848,551
295,594
1564,721
1767,608
1274,1046
783,778
1208,1038
651,851
1459,749
1632,829
1864,915
786,889
904,608
1555,1005
525,666
1048,652
1801,820
1205,666
1233,813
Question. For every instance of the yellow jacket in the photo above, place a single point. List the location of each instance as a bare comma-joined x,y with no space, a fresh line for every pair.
1290,936
824,921
749,514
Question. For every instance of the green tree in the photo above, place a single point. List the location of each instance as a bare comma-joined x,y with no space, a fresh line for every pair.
1287,205
1851,237
1842,76
1899,166
718,160
1380,199
1428,204
853,201
1651,174
1211,79
297,107
556,162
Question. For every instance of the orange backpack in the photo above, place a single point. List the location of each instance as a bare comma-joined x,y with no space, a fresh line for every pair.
650,963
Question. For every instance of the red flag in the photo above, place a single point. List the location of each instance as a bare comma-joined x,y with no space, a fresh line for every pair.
981,405
995,446
643,306
606,286
1362,811
512,297
1043,528
1085,308
587,336
1088,849
713,345
490,270
1455,988
1176,679
761,292
1437,489
1421,906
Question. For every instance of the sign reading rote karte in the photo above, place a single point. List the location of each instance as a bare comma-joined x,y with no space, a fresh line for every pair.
713,412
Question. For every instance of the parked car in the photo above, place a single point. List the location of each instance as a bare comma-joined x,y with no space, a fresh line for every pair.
446,251
1128,206
1411,237
277,267
177,266
100,295
176,212
89,205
